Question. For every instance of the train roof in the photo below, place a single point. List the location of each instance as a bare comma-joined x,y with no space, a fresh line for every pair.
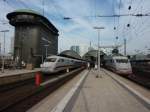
115,57
56,56
120,57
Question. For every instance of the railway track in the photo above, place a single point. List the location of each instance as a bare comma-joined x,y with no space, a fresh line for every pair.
11,86
138,79
24,97
144,81
8,87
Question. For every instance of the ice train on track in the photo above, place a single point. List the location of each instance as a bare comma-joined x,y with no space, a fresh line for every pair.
118,64
53,64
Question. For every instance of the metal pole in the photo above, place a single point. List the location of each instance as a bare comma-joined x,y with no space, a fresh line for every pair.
98,49
0,49
0,53
46,46
3,62
125,47
99,60
46,51
99,53
42,59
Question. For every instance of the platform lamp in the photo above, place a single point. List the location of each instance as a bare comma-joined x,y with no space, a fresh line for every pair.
98,61
3,61
46,45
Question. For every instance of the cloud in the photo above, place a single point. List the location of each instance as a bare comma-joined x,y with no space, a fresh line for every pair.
79,29
137,32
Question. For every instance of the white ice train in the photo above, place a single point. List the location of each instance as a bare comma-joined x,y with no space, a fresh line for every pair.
118,64
53,64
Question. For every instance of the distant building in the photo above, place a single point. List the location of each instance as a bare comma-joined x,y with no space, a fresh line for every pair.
90,48
35,36
92,56
75,48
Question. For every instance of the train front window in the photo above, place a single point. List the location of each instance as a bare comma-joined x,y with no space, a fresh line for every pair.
121,60
61,60
50,60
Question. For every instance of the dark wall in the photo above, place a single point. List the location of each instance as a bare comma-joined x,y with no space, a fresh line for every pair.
53,38
52,49
25,42
30,28
29,45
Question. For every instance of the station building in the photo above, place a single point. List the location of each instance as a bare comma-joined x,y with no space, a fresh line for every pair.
92,56
35,36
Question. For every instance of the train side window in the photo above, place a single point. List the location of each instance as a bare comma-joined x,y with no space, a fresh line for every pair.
61,60
50,60
121,60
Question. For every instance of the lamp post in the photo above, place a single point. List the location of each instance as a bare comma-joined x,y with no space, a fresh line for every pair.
98,30
125,42
3,61
46,46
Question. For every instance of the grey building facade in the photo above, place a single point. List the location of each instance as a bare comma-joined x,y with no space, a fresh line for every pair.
35,36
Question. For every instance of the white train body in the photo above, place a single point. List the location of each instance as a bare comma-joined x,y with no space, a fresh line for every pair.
118,64
53,64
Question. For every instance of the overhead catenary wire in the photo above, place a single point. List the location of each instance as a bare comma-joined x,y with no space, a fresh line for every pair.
118,19
140,27
139,12
136,24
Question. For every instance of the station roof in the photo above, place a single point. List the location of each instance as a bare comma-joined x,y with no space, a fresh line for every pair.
141,57
31,12
92,53
27,11
70,53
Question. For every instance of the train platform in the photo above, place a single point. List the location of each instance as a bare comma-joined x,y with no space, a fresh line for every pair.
131,84
48,103
10,76
92,94
105,95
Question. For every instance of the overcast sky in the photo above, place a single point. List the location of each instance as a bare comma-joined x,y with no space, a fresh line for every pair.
83,13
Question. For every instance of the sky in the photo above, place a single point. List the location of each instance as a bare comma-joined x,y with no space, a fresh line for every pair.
83,14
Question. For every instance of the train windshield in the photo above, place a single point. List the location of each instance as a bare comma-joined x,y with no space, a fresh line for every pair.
50,60
121,60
